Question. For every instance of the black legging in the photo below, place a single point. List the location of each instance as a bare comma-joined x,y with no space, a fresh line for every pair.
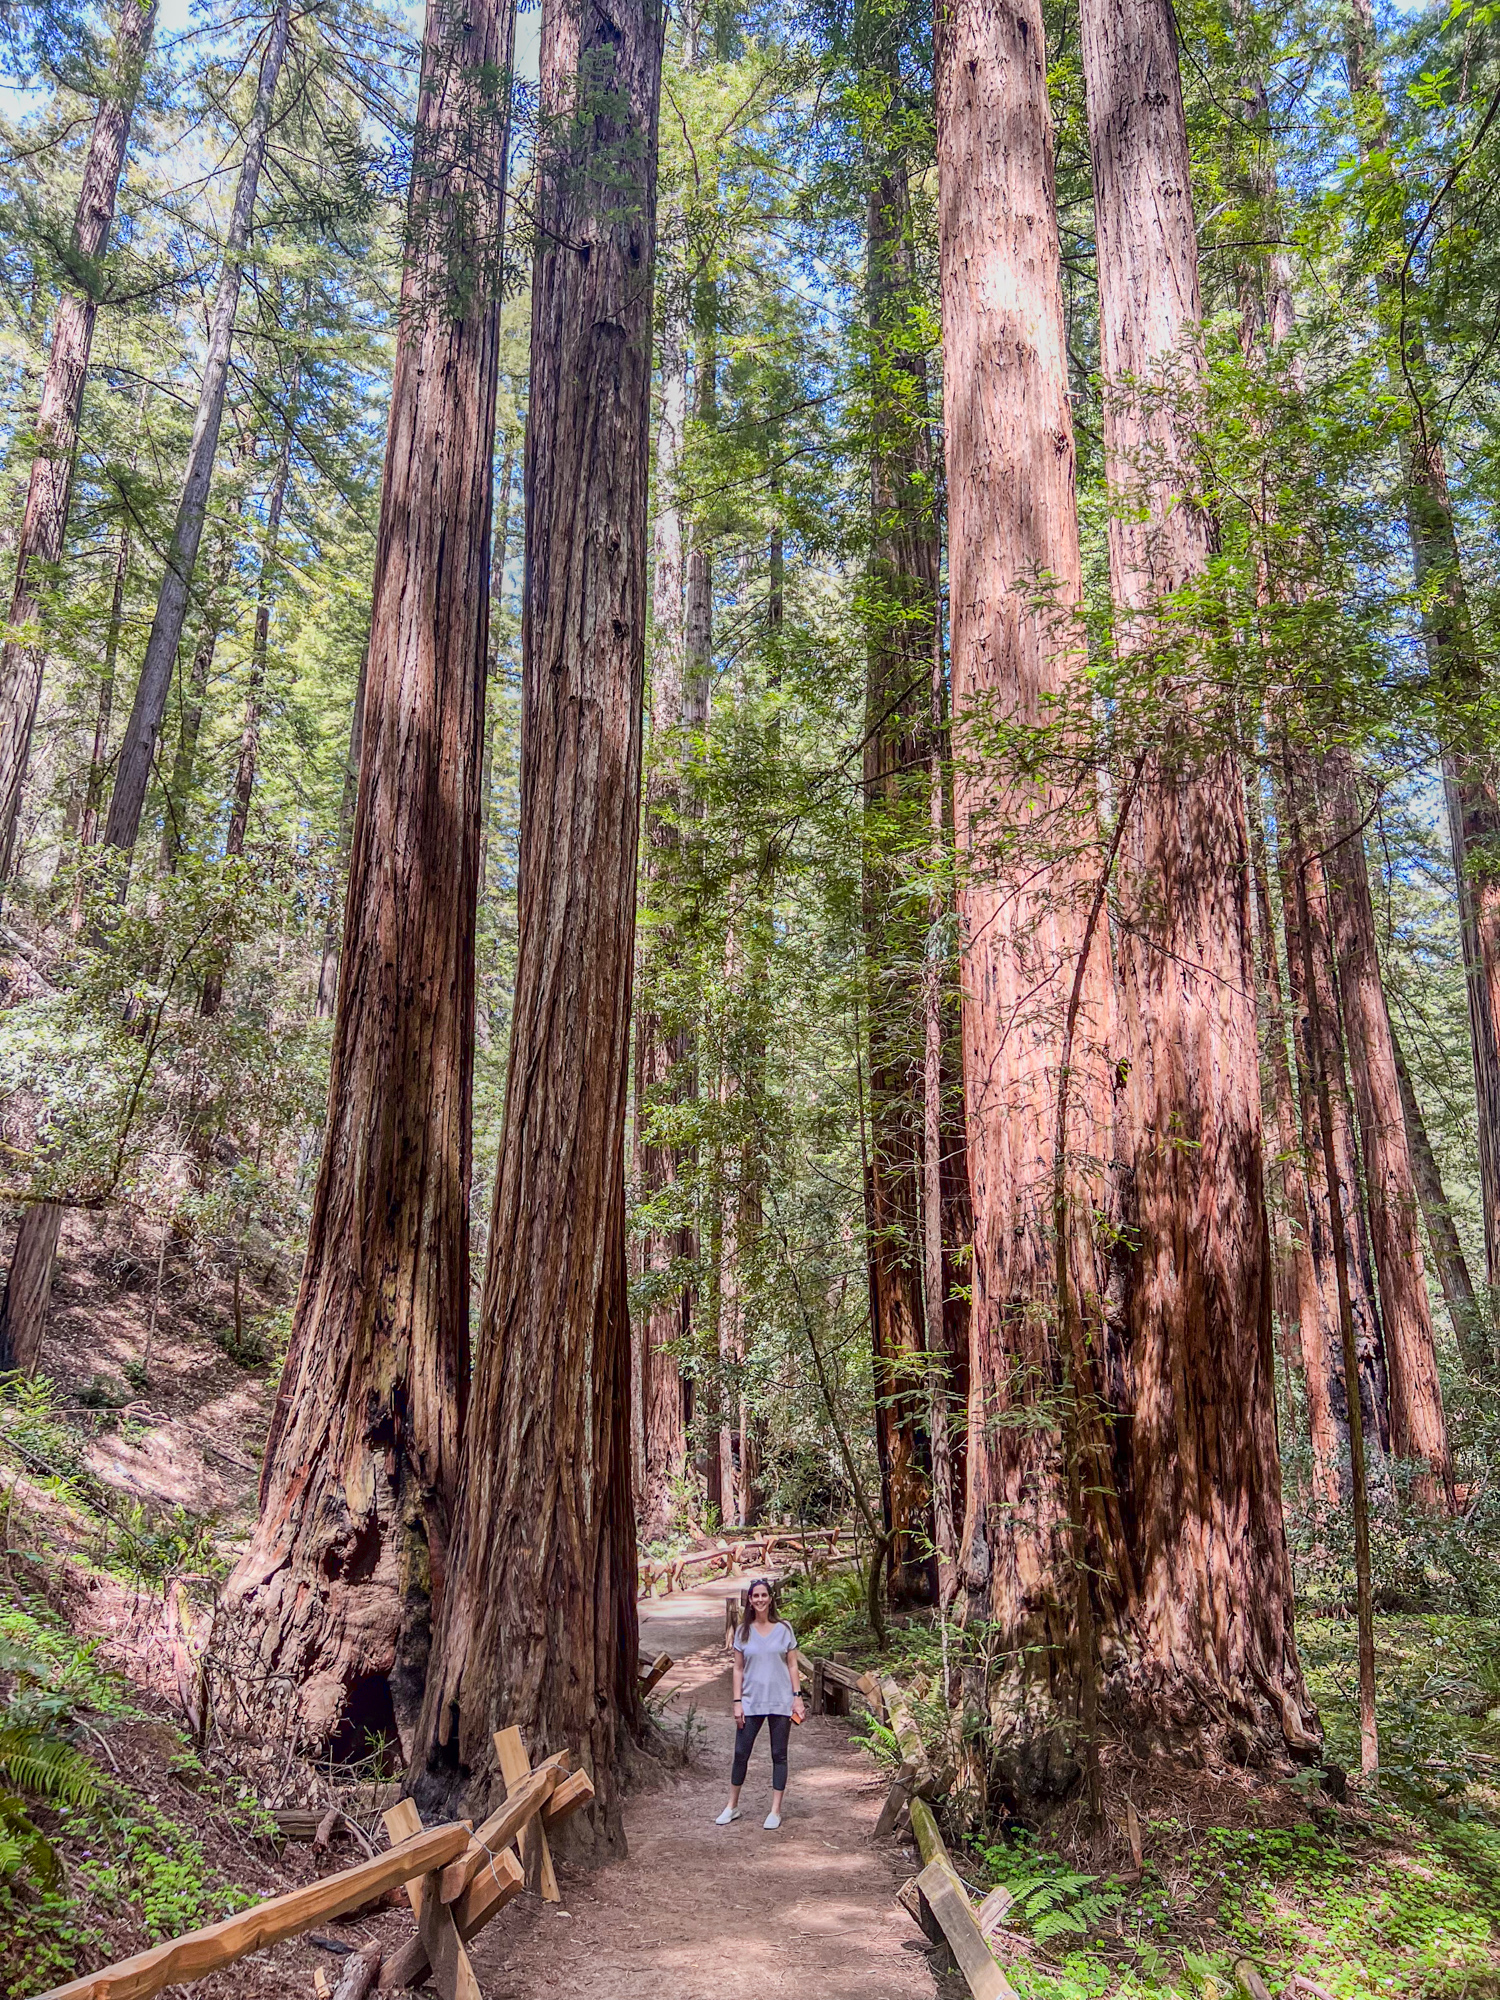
744,1740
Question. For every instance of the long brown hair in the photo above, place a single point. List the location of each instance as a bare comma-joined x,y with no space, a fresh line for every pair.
749,1618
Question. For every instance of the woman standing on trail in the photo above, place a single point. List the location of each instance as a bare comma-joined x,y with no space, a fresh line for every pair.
766,1673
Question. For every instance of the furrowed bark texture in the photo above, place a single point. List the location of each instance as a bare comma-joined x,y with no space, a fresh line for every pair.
361,1464
1214,1665
138,748
1469,770
45,519
1028,859
662,1051
28,1288
901,621
1315,1320
539,1624
328,964
1296,807
1418,1430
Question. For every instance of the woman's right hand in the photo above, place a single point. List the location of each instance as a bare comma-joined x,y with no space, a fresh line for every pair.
739,1711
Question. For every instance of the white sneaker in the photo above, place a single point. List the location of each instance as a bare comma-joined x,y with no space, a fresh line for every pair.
730,1813
771,1822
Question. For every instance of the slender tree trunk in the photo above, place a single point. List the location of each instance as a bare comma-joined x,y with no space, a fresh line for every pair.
28,1287
138,749
328,964
1205,1485
1419,1431
1324,1054
44,522
1023,901
1295,809
1470,779
1447,1252
901,617
539,1623
249,757
664,1321
1306,1303
350,1552
88,824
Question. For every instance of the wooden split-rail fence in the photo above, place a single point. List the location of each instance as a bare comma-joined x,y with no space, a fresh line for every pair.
456,1877
724,1557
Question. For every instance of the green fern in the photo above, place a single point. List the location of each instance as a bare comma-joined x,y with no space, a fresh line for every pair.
24,1848
46,1768
1062,1905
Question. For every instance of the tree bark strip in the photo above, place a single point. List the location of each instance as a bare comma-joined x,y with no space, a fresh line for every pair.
350,1552
1469,1327
1217,1660
28,1286
1015,584
539,1623
49,488
1419,1430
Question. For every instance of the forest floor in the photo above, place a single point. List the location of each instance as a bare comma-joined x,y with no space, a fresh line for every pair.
126,1489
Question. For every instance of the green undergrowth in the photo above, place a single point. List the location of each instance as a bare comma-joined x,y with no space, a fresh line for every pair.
90,1862
1364,1906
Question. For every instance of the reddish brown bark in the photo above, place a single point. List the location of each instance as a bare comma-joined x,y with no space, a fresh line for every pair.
1418,1430
1214,1662
348,1557
1306,1307
901,592
45,519
28,1286
539,1624
1295,808
664,1321
1028,860
138,746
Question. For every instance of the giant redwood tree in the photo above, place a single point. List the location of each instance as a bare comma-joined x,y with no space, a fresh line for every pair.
337,1586
1029,858
538,1624
1211,1660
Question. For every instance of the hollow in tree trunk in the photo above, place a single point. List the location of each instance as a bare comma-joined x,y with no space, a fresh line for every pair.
348,1557
538,1625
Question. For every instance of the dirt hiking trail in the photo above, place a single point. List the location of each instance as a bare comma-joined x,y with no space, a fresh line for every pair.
703,1912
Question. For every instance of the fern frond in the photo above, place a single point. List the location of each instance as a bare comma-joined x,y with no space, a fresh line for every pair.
46,1768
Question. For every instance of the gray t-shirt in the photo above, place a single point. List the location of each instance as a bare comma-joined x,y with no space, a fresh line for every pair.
767,1686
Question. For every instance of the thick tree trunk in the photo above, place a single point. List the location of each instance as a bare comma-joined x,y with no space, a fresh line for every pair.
539,1625
901,590
249,757
1418,1430
28,1288
1469,1328
664,1321
44,522
328,963
1028,858
349,1555
1472,792
138,749
1216,1661
1314,1315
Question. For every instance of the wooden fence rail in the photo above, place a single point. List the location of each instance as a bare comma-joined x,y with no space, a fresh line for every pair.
456,1877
